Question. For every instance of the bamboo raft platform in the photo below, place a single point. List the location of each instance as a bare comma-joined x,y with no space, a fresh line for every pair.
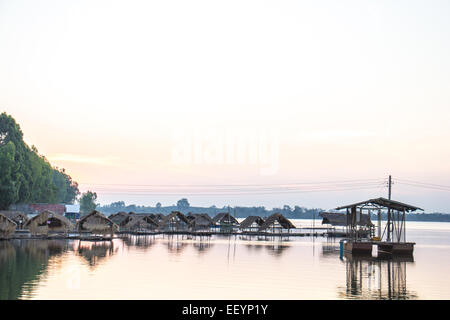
26,235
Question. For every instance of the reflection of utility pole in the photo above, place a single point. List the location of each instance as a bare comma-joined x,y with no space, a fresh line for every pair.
389,211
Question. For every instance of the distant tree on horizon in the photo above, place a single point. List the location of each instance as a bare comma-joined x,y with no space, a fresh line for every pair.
183,204
87,202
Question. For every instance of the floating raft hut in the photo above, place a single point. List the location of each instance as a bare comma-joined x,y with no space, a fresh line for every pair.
175,221
251,224
276,223
96,223
139,223
118,217
225,222
48,222
200,221
391,240
7,226
19,217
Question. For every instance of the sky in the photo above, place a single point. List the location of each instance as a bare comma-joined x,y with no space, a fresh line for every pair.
151,101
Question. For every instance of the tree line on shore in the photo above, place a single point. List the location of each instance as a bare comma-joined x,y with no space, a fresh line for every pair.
242,212
25,175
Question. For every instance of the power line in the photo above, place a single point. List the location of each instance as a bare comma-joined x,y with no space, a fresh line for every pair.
230,185
424,183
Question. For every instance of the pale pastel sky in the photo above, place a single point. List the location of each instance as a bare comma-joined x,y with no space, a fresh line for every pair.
117,92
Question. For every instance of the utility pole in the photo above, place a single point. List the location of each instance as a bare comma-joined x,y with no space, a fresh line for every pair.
389,211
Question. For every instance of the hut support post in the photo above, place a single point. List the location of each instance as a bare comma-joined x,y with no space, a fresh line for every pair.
379,223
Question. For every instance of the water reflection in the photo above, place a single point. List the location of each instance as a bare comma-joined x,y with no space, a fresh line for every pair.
370,277
277,248
140,242
176,244
95,252
202,246
22,262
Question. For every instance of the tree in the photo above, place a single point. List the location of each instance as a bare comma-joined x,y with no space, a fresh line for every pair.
158,205
27,176
8,186
183,204
87,202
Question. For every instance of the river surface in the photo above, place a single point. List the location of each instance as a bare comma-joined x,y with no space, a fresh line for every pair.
219,267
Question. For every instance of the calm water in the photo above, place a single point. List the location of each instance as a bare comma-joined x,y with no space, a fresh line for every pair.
163,267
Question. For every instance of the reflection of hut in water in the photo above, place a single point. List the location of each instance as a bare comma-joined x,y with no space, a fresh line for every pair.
175,244
48,222
45,248
225,221
119,217
277,248
19,217
175,221
200,221
96,223
7,252
94,252
276,223
251,224
376,278
137,223
202,246
7,227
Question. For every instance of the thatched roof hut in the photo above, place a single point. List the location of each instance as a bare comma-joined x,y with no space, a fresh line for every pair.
118,217
276,221
95,222
175,221
157,217
200,220
225,218
19,217
7,226
140,223
48,221
252,222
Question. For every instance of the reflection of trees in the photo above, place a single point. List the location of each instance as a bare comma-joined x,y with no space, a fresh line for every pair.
23,261
96,251
376,278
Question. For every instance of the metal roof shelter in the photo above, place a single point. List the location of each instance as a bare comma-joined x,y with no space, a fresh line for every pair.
395,227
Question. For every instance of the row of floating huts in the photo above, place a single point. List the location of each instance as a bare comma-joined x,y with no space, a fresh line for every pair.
95,223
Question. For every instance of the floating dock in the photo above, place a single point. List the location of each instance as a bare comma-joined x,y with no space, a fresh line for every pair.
365,247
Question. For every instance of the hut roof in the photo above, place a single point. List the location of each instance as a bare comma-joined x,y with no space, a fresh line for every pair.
225,217
15,215
7,226
383,202
157,217
284,222
340,219
96,222
38,221
118,217
200,219
134,220
174,214
250,220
